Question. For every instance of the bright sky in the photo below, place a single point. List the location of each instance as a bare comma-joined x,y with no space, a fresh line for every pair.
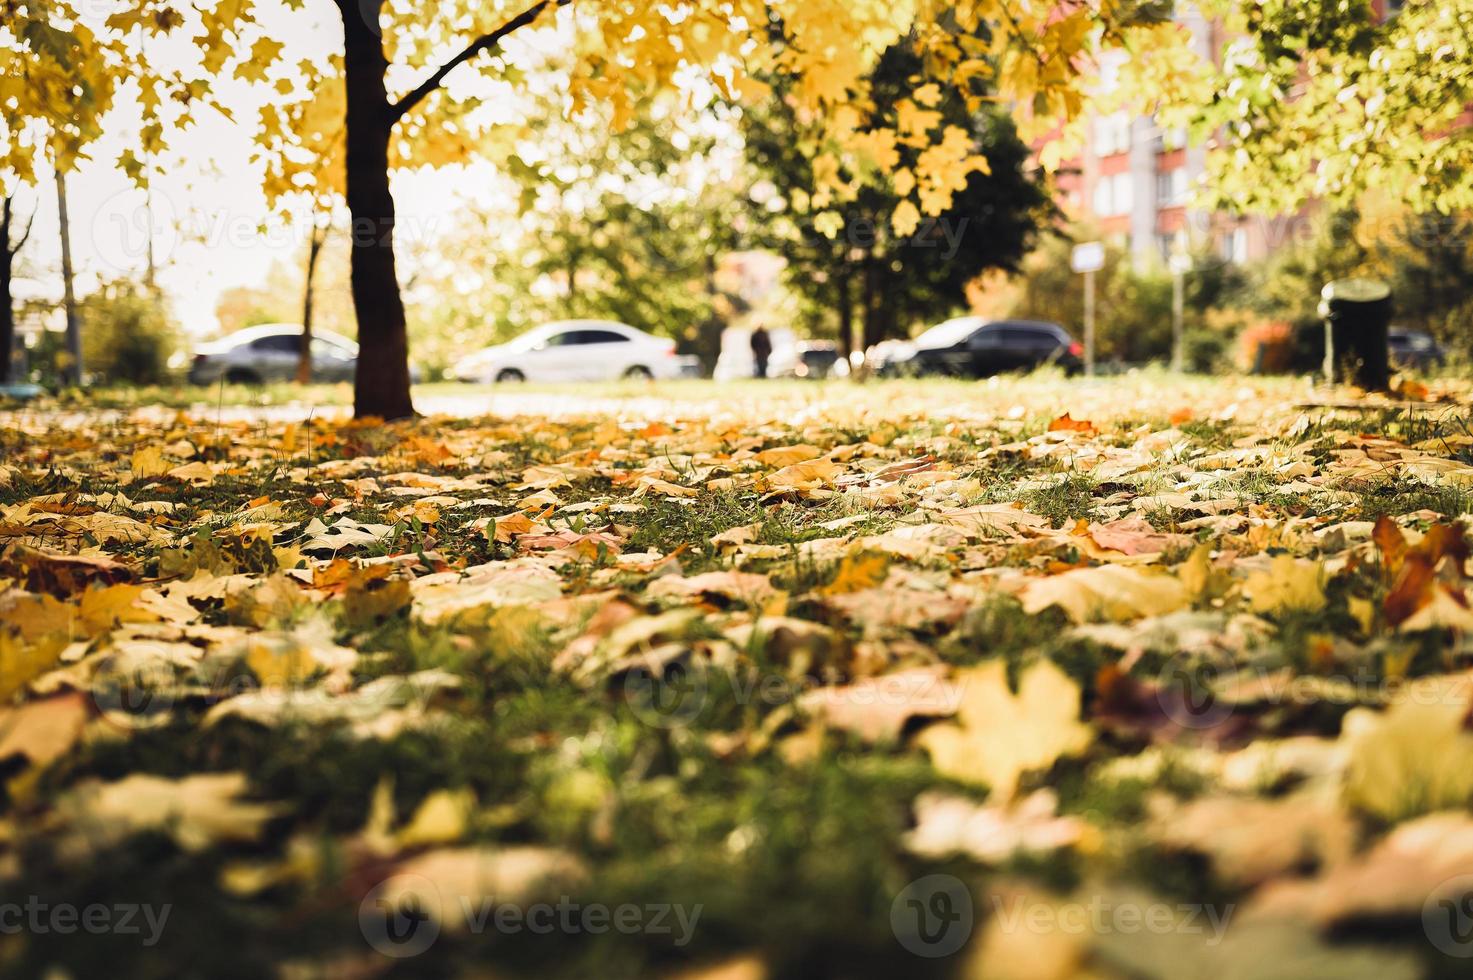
207,208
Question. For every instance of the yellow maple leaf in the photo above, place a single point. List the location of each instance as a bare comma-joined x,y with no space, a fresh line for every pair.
105,608
857,572
1000,735
906,218
1416,756
1111,592
1289,585
147,462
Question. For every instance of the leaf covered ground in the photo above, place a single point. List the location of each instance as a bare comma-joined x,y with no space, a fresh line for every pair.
1135,678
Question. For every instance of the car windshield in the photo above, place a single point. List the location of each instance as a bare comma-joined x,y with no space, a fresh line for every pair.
949,333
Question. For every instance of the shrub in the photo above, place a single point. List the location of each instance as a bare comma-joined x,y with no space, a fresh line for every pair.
127,335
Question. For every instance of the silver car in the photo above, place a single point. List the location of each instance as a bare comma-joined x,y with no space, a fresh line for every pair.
269,352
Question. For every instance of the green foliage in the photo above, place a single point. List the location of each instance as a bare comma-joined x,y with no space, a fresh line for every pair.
628,226
1428,259
1324,100
127,334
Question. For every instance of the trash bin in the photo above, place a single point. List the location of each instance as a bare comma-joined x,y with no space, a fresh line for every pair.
1357,313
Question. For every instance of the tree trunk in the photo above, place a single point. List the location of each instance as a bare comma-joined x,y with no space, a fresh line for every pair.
845,304
7,309
381,387
69,295
304,358
873,330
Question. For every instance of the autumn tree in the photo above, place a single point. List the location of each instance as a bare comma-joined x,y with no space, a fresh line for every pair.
866,276
13,236
57,80
1040,57
1324,99
628,225
303,151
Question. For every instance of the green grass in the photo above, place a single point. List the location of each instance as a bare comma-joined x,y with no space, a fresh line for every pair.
794,856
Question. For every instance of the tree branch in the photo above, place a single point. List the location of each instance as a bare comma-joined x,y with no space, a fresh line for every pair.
30,223
483,43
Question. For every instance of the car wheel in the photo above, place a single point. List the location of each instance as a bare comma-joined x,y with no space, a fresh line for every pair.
241,376
508,376
639,373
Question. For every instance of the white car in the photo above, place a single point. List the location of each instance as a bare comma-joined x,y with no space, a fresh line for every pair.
577,350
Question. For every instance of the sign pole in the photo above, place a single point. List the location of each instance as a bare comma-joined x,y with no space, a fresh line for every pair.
1089,323
1181,264
1088,259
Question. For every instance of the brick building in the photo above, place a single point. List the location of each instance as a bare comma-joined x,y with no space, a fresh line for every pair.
1135,180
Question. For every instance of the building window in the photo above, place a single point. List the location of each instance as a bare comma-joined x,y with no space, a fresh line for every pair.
1234,246
1172,187
1172,243
1112,134
1114,195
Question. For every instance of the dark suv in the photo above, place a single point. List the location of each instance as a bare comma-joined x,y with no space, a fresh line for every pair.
971,347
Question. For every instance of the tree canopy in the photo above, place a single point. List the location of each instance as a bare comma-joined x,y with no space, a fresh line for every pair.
1324,99
412,95
886,276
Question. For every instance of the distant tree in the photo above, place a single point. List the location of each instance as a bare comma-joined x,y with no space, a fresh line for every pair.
1325,99
127,335
855,268
1041,56
280,297
13,235
630,224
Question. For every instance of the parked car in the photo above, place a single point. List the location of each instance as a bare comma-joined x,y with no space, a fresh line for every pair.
811,359
577,350
1414,349
270,352
974,347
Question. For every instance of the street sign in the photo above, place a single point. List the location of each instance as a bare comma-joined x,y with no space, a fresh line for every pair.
1089,257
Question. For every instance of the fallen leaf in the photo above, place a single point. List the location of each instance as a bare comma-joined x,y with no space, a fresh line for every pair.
1000,735
1111,592
878,708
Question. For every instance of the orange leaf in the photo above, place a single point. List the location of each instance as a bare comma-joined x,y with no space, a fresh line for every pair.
1391,543
1066,424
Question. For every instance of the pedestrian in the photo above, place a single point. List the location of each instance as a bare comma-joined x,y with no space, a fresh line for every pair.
761,350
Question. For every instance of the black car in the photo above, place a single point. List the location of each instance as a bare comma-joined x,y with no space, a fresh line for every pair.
1414,349
972,347
815,360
